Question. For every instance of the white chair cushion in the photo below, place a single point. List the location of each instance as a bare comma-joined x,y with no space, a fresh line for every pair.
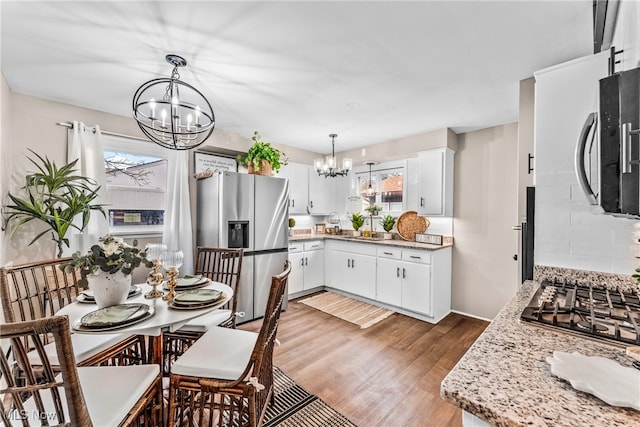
109,392
206,322
221,353
84,347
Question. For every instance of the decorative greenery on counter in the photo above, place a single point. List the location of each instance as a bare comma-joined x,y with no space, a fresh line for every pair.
54,196
357,220
292,222
261,150
387,223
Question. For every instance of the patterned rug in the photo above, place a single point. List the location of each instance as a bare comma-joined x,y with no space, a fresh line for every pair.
296,407
348,309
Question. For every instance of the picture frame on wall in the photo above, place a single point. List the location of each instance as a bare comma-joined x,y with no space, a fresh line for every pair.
209,164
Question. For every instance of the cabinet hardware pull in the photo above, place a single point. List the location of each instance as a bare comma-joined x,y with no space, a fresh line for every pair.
315,246
349,263
302,262
397,271
353,263
415,257
421,201
387,253
311,203
293,203
306,261
404,273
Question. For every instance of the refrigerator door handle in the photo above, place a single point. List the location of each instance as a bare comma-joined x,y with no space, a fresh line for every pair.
581,173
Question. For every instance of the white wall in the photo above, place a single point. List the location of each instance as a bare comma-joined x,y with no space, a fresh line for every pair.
6,148
484,275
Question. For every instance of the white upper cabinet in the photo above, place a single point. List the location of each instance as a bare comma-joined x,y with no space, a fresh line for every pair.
298,175
435,185
627,35
309,193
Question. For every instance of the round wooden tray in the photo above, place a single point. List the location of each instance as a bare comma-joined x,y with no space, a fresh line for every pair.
410,223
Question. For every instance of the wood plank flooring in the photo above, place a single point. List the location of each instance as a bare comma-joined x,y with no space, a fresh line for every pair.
386,375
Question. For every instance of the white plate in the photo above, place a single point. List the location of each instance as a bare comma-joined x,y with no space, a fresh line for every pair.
86,296
604,378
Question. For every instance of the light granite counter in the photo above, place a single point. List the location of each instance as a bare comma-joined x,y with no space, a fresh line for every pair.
505,380
447,241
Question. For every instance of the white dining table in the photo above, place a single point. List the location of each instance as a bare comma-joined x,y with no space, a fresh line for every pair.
164,318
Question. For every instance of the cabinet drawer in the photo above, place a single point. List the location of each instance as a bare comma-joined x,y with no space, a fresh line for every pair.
314,245
295,247
392,253
421,257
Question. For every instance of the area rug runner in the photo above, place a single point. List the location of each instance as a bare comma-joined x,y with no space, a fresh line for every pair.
348,309
296,407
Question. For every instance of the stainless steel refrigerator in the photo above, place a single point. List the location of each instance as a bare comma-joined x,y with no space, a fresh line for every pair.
236,210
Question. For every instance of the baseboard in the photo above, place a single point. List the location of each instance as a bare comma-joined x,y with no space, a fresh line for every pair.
471,315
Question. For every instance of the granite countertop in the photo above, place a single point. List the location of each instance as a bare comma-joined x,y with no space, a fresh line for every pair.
505,380
447,241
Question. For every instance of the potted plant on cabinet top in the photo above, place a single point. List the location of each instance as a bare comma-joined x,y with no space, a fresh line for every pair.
357,220
262,158
54,196
387,224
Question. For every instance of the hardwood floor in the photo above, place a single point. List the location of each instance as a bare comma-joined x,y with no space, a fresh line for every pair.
386,375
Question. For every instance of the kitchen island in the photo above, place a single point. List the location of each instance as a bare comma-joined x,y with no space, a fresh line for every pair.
504,378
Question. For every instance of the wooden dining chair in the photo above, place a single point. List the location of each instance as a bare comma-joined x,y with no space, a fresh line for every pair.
226,377
219,265
74,396
37,290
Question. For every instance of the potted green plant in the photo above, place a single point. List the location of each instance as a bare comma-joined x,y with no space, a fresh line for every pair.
357,220
55,196
292,223
262,158
387,225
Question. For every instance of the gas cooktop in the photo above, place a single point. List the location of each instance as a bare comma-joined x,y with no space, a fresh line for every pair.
600,313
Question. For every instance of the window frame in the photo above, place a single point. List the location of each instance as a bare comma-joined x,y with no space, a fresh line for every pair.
136,146
376,171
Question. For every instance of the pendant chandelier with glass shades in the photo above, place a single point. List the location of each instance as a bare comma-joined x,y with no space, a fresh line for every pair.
329,167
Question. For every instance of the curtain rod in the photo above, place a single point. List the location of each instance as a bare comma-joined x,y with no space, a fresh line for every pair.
105,132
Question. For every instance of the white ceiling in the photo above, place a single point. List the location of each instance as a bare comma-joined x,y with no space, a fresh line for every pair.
298,71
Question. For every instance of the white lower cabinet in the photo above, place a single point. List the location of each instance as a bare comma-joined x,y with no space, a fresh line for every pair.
307,266
352,268
404,280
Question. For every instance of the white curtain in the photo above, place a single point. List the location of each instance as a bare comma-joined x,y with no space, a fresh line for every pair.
85,144
177,233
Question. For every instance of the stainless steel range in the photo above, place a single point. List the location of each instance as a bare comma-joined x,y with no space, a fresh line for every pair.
600,313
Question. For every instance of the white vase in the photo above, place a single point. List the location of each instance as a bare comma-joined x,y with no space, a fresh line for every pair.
109,289
387,236
357,233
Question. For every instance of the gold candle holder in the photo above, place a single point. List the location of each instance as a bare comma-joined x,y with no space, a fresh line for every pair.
154,279
172,272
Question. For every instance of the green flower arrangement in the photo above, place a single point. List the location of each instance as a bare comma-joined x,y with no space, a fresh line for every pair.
373,209
357,220
110,255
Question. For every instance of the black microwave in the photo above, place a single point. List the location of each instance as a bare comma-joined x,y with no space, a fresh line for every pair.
617,164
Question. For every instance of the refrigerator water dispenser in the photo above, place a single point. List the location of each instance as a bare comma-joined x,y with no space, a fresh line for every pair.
238,234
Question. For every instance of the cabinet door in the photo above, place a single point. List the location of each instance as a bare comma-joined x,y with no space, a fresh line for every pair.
363,275
296,277
298,175
340,270
313,269
430,197
321,192
389,281
416,288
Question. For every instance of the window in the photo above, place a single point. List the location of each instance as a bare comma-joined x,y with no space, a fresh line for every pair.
136,176
389,193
